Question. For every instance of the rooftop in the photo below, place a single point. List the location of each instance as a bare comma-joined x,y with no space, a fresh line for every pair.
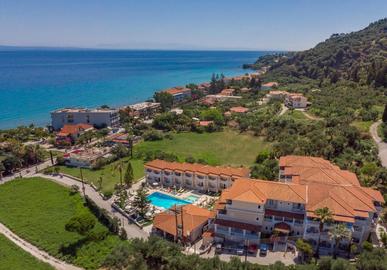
83,110
72,129
143,105
193,217
197,168
239,110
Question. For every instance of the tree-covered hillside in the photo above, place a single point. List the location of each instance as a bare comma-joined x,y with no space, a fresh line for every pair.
358,56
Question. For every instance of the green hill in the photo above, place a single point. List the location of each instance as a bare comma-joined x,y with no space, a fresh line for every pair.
358,56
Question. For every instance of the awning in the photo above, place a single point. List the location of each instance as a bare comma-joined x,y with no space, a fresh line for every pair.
282,227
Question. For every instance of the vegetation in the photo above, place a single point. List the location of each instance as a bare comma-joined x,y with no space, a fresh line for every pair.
13,257
324,216
141,202
109,176
38,210
218,148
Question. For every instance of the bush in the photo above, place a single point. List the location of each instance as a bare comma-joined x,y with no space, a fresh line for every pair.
74,189
98,234
107,194
153,135
103,216
190,159
367,246
48,170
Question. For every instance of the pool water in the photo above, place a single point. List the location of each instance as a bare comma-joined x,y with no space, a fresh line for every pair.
165,201
191,198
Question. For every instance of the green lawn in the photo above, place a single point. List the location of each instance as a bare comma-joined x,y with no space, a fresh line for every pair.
110,176
362,126
296,115
15,258
37,210
218,148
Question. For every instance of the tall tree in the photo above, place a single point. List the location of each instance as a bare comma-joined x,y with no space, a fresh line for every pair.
324,216
128,178
384,117
165,99
338,233
141,202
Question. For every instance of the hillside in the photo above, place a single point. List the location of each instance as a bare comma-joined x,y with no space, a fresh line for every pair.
358,56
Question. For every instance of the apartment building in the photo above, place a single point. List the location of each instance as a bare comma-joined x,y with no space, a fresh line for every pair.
95,117
144,110
179,94
199,177
251,210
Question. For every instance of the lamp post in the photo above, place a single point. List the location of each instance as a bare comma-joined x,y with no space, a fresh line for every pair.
83,184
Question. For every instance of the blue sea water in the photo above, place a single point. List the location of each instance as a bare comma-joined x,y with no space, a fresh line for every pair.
35,82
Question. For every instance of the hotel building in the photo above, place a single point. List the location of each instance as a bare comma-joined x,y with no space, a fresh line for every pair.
277,211
96,117
199,177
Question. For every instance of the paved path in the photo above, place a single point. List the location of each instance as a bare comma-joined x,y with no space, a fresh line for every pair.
34,251
28,172
382,146
132,230
284,109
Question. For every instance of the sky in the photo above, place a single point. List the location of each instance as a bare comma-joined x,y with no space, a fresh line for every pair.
183,24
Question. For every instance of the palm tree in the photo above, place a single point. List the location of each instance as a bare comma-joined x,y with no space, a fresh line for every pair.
324,216
338,233
119,167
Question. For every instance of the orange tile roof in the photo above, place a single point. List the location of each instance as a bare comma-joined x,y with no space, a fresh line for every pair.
193,217
205,123
270,84
177,90
305,161
239,109
200,168
70,129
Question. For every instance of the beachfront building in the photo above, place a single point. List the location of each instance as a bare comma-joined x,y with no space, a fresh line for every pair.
179,94
69,133
144,110
98,118
184,223
278,211
199,177
296,101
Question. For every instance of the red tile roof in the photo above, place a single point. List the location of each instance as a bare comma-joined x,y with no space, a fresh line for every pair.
239,109
72,129
200,168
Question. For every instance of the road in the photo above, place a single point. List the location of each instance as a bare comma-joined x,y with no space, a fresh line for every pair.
382,146
28,172
132,230
34,251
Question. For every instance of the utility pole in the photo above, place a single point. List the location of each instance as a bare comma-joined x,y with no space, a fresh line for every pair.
83,184
52,158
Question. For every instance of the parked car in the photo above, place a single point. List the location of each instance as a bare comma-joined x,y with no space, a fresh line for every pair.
263,250
240,250
218,248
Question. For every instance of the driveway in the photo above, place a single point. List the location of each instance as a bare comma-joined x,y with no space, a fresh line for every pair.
382,146
132,230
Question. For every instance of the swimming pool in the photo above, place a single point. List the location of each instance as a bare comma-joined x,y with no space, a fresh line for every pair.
192,198
165,201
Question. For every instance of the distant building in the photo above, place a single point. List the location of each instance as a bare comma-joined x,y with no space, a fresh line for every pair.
277,94
239,110
269,85
227,92
180,94
84,158
186,223
69,133
144,109
296,101
96,117
205,123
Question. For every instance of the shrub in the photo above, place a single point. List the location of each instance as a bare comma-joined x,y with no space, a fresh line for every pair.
153,135
74,189
367,246
190,159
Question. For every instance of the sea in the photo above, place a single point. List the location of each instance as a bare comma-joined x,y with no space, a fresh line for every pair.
35,82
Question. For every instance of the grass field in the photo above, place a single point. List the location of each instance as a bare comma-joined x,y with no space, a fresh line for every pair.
296,115
362,126
218,148
110,176
37,210
13,257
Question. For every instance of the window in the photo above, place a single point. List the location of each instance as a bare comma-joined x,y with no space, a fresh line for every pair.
257,218
259,207
229,201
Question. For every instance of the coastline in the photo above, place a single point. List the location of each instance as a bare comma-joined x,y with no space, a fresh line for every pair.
120,82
